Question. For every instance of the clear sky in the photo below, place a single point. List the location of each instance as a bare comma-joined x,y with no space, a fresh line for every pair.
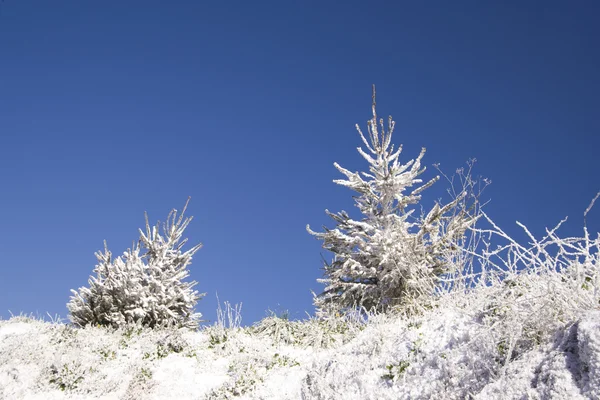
112,108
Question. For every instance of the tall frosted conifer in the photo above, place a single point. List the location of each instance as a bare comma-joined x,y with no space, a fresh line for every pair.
146,289
390,258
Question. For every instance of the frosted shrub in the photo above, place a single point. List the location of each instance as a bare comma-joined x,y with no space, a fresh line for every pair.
529,292
524,294
145,286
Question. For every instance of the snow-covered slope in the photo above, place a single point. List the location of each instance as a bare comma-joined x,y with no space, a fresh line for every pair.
444,354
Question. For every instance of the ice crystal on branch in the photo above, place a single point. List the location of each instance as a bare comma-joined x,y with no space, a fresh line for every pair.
390,257
148,289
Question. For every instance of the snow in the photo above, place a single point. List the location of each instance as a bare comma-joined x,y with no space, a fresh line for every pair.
447,353
15,328
187,377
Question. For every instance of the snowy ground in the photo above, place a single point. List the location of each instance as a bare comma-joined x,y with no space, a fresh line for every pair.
447,353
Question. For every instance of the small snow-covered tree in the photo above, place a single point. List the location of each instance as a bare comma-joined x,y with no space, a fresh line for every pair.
149,288
390,257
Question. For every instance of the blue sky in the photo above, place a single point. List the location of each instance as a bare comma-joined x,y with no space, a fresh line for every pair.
109,109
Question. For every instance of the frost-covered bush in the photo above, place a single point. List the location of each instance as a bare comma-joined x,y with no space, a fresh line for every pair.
390,258
145,286
525,293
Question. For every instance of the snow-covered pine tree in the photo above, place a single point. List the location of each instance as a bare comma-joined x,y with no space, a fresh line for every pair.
390,258
148,289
